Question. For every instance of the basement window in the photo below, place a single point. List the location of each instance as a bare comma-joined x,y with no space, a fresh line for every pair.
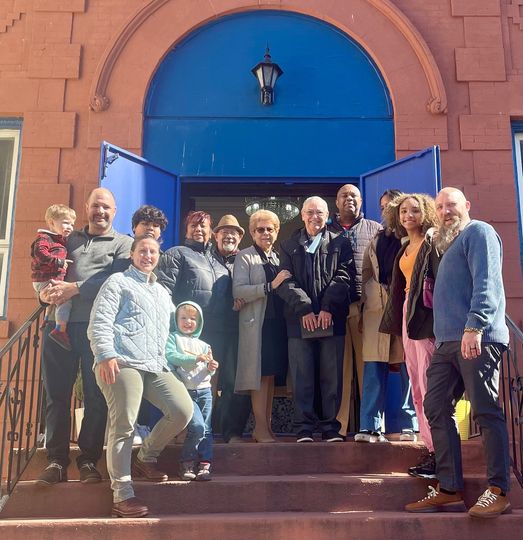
9,154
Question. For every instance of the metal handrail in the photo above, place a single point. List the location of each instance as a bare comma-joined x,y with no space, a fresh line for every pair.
511,394
20,402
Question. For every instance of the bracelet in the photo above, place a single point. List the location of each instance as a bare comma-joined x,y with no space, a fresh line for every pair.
473,330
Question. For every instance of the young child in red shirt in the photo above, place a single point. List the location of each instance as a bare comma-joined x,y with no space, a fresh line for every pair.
49,261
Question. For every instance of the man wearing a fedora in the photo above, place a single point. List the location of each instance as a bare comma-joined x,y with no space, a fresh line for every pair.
231,411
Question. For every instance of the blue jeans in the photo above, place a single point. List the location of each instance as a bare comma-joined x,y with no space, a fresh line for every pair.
198,442
375,379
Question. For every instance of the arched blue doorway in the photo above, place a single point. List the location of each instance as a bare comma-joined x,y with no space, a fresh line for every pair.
332,119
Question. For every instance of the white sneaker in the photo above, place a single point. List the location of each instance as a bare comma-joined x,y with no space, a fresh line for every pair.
408,435
187,470
370,437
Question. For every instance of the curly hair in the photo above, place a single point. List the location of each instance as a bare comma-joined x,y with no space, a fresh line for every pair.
149,214
391,213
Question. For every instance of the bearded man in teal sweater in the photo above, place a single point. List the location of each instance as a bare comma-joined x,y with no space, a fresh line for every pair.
471,335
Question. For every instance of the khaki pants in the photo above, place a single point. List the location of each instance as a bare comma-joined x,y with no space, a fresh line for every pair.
352,357
123,398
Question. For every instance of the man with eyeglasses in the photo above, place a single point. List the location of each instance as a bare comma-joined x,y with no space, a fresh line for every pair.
231,411
350,223
317,296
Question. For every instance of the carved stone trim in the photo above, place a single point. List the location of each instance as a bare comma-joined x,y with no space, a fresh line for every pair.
436,103
98,100
514,12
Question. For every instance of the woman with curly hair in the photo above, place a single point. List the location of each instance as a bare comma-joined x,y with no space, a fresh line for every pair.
408,312
382,353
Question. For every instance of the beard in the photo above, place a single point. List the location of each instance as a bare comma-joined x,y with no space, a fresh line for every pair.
447,234
229,249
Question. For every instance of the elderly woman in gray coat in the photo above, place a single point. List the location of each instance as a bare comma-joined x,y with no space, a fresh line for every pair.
128,331
262,345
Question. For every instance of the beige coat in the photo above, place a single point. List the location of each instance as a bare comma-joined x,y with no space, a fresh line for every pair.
377,347
249,283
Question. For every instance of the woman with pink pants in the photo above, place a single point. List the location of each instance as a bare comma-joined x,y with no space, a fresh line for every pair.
409,312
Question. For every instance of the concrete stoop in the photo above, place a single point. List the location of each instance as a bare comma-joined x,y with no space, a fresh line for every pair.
288,457
292,493
368,525
262,491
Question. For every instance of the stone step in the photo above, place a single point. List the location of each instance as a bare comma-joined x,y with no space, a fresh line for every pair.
225,494
275,526
288,457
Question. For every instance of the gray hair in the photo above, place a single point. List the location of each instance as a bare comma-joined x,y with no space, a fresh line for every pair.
315,198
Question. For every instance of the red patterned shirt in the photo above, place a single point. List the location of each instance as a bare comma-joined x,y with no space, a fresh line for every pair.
48,254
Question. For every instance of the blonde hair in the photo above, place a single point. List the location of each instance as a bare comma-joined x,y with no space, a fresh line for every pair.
191,310
59,211
391,213
263,215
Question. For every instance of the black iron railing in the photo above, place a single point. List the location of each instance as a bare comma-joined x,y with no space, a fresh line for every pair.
20,402
511,392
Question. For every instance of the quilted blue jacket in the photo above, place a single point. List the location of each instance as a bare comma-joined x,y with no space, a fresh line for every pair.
130,321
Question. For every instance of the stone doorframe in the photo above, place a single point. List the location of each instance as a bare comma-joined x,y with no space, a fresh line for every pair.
121,81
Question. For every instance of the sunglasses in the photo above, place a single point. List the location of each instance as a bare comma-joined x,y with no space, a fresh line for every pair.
261,230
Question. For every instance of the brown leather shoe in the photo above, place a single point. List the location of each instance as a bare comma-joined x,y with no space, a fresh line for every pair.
148,470
130,508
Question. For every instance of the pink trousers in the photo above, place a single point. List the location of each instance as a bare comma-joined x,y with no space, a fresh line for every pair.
418,354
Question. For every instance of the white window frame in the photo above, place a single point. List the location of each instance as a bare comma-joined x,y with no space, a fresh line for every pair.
6,243
518,144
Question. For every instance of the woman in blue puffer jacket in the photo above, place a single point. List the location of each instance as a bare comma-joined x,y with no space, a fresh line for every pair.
128,332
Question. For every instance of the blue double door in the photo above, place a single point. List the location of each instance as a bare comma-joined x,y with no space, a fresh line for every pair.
136,181
207,136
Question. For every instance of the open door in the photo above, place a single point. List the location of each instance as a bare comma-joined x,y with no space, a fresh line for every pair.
134,181
417,173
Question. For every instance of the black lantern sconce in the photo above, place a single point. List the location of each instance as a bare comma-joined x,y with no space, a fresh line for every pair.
267,74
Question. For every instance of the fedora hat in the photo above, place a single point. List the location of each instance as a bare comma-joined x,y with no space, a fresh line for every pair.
229,221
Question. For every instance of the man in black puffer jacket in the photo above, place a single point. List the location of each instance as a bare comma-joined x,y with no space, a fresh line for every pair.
317,296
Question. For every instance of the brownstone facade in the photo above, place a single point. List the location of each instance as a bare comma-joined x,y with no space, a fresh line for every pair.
77,72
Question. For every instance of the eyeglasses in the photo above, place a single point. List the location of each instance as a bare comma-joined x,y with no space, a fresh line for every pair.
261,230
